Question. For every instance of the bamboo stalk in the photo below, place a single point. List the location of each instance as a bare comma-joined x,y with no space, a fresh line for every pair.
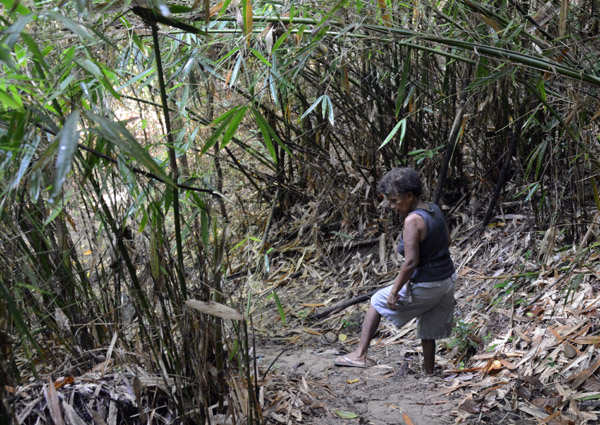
172,161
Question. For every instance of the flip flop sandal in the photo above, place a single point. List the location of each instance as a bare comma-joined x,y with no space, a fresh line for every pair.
345,361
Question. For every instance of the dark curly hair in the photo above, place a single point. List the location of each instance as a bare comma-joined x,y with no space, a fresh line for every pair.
399,181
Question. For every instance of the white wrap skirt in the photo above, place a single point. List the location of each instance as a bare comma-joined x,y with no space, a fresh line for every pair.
432,303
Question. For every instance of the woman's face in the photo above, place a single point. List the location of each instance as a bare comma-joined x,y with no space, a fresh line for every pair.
402,204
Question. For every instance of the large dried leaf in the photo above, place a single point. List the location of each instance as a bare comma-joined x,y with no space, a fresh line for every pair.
53,404
215,309
71,414
581,377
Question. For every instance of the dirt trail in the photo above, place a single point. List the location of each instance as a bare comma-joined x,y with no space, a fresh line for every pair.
393,386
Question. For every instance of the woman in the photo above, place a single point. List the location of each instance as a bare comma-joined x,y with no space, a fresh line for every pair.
424,287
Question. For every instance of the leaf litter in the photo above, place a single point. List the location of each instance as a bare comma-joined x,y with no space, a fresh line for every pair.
524,348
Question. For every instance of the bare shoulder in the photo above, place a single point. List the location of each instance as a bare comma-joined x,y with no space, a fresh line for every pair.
414,221
415,227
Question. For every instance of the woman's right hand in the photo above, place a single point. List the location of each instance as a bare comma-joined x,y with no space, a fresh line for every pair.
392,299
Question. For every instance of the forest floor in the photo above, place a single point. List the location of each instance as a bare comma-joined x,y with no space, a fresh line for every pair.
523,350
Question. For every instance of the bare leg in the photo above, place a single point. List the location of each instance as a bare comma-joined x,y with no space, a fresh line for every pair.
370,325
428,355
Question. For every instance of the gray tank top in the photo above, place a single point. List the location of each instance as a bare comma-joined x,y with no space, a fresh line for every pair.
434,254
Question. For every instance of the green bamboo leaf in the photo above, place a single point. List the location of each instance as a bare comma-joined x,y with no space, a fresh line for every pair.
223,121
260,57
281,39
236,70
264,125
204,224
15,95
226,56
533,188
279,306
28,151
80,29
13,33
9,102
33,288
233,126
5,58
117,134
225,5
178,8
536,159
138,77
401,125
542,88
591,397
313,106
97,71
272,87
15,5
56,210
68,138
265,130
327,105
344,235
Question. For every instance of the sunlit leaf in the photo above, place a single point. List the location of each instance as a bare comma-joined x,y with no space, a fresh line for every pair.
346,415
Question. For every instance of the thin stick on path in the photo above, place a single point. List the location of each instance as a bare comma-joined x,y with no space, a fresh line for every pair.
343,304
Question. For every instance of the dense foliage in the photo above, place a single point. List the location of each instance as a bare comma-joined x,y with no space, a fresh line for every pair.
148,150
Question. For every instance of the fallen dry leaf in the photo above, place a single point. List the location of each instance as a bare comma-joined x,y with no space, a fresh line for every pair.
470,405
407,419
